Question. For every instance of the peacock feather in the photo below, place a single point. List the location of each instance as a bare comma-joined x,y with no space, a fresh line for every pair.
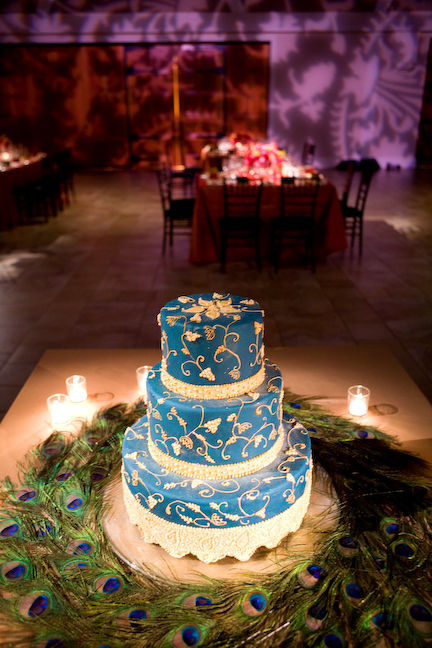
365,581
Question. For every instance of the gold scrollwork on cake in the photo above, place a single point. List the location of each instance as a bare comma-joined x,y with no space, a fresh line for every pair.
228,471
210,392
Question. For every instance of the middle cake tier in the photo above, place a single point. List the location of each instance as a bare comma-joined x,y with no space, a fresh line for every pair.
215,438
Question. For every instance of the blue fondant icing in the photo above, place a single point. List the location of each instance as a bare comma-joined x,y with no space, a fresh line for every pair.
212,339
213,432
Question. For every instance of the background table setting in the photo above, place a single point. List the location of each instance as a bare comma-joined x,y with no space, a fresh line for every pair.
239,158
16,170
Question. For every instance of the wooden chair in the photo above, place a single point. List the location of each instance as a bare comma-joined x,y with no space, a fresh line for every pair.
296,222
177,209
240,225
353,215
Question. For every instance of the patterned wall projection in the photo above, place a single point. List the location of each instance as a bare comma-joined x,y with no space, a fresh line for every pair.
65,96
114,103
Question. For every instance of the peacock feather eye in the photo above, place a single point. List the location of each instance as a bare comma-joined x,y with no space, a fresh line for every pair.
365,434
14,571
186,637
92,439
97,474
312,574
9,528
63,476
26,494
52,642
53,447
131,617
35,604
420,618
333,640
315,616
380,619
70,567
197,600
295,405
74,502
354,593
109,584
254,603
390,528
81,546
201,601
404,551
348,546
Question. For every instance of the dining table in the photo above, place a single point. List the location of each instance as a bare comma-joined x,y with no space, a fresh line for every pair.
12,176
209,209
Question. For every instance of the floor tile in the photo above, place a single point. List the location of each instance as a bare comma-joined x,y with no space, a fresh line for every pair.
95,278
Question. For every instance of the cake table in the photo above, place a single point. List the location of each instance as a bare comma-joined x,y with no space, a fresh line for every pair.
193,616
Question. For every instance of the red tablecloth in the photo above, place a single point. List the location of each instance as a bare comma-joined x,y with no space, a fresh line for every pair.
209,208
13,177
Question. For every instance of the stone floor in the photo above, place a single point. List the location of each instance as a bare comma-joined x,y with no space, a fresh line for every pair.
95,278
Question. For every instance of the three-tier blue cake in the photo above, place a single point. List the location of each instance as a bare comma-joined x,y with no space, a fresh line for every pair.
214,469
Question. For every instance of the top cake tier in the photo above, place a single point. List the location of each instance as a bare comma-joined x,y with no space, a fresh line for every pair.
212,345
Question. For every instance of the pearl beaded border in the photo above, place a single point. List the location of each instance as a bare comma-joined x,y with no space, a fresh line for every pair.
212,392
229,471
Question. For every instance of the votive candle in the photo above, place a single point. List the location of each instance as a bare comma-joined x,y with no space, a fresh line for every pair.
142,373
59,409
76,388
358,400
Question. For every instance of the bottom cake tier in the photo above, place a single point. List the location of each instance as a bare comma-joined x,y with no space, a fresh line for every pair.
213,519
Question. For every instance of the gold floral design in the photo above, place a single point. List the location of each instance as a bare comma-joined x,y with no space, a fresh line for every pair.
212,308
207,373
172,319
191,336
213,425
209,332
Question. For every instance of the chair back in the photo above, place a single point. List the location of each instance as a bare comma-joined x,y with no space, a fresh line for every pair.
242,200
298,199
349,174
363,189
164,185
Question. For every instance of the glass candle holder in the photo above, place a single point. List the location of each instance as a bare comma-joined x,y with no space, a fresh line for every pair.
142,373
76,388
59,409
358,400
